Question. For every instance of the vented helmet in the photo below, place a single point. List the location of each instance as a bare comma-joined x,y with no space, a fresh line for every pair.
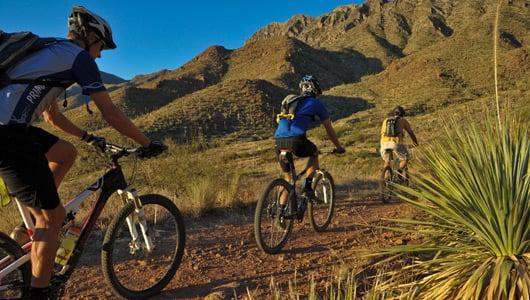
82,21
309,83
398,111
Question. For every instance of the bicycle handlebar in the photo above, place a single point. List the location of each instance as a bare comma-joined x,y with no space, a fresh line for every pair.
116,152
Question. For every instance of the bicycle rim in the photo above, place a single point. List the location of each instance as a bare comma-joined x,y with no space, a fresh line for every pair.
13,285
132,270
271,231
321,209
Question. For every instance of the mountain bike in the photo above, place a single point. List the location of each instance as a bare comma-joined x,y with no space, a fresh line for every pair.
147,234
273,225
389,177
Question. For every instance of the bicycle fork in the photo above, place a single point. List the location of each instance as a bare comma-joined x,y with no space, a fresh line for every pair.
322,177
131,195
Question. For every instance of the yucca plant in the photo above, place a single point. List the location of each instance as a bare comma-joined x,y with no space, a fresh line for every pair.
476,243
4,196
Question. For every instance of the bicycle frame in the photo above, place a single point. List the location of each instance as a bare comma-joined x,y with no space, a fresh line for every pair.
111,182
294,176
397,175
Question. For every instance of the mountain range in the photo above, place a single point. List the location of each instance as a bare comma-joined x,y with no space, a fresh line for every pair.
424,54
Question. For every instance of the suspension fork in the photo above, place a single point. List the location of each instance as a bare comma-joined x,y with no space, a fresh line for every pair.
320,174
131,195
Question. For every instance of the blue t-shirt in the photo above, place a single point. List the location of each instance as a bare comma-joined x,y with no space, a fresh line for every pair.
63,61
305,113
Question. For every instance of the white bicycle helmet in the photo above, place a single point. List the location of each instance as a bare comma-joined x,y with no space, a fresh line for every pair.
82,21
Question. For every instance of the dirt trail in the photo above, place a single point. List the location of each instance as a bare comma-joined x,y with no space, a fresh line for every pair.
221,254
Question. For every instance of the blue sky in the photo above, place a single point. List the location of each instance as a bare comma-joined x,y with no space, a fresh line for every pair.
154,35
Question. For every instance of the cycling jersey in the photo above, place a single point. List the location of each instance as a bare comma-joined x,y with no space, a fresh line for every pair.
61,61
306,111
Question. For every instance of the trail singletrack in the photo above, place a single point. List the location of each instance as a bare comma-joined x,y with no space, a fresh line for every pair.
222,260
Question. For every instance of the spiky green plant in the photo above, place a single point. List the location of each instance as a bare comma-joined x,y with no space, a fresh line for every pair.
477,243
4,196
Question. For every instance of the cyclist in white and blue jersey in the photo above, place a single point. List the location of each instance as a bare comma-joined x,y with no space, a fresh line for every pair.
291,133
33,162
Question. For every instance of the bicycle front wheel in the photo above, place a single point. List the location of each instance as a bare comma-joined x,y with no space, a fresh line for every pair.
321,208
13,285
272,226
140,267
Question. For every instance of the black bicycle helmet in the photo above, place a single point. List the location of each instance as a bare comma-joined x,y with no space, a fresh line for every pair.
82,21
310,84
398,111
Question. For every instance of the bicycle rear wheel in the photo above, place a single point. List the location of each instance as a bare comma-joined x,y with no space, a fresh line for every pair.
320,210
15,284
129,267
271,230
386,184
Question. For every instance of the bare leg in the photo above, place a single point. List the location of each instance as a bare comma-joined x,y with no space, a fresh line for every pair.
312,165
386,164
44,247
284,195
61,157
403,164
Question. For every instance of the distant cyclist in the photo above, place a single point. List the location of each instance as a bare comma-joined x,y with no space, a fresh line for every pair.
392,135
298,113
33,162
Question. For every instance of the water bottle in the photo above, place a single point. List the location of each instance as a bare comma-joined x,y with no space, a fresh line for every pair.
67,245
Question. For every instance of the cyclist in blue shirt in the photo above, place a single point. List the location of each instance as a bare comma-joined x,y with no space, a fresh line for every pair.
33,162
291,134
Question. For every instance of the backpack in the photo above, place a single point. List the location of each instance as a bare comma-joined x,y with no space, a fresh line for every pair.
391,129
288,108
14,47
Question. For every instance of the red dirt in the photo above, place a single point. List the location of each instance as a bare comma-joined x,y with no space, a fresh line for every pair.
221,254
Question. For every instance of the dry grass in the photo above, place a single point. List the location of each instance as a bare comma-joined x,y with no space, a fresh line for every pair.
342,284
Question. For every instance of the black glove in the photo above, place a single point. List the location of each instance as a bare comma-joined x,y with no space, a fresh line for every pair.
96,141
339,150
154,149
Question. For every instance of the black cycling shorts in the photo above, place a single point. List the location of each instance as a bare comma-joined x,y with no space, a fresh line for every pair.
301,147
24,167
